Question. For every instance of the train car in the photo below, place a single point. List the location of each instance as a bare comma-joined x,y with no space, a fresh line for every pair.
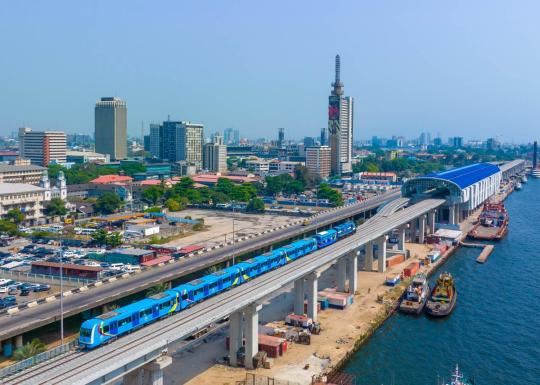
249,269
276,258
106,327
345,229
300,248
228,277
325,238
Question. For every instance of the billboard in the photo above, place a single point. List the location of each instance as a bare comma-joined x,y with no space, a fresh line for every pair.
333,114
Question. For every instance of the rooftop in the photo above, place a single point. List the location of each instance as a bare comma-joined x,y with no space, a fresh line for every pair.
213,178
136,252
13,167
107,179
467,175
66,266
11,188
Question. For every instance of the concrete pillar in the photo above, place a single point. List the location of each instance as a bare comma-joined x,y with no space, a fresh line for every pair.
432,221
368,261
18,341
401,238
352,261
235,336
153,371
312,290
341,274
422,229
452,215
299,296
412,230
7,348
382,253
135,377
252,334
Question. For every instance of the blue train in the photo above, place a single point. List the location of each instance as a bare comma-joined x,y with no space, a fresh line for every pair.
106,327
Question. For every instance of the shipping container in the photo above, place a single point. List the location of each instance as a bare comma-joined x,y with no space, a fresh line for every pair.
411,269
395,260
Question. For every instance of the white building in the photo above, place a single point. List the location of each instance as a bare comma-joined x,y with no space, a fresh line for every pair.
215,155
42,147
318,160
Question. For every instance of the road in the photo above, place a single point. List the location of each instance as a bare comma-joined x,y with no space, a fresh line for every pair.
43,314
131,351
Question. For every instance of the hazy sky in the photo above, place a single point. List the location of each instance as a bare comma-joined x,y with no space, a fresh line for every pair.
467,68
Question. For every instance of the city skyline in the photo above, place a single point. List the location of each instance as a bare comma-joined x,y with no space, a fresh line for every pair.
453,81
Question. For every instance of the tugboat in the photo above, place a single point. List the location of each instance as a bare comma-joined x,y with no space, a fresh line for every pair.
524,179
457,379
519,186
492,223
443,297
416,296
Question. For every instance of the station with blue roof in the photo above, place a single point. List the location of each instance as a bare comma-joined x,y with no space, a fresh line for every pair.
464,188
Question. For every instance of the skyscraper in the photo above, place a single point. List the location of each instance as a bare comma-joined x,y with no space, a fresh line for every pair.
324,136
42,147
231,136
111,127
340,126
281,138
156,141
215,155
318,159
183,141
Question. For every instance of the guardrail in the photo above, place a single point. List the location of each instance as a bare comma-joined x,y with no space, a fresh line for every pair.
38,358
22,276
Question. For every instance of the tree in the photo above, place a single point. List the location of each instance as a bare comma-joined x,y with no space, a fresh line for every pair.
15,215
173,205
133,168
114,239
219,197
56,206
326,192
108,203
9,228
29,350
156,289
100,237
255,205
153,194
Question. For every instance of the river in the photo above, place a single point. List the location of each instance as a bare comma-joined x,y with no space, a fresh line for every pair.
494,332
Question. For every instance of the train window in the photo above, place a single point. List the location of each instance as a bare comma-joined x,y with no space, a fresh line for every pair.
145,312
197,292
124,321
184,297
86,333
106,329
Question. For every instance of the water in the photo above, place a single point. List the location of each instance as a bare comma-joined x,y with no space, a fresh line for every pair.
493,333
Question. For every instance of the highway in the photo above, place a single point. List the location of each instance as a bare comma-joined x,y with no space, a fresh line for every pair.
110,362
43,314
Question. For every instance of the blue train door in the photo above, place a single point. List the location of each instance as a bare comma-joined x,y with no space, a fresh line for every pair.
220,284
155,311
135,318
206,290
114,327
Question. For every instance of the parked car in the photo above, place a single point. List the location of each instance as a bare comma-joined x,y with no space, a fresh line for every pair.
24,291
41,287
8,302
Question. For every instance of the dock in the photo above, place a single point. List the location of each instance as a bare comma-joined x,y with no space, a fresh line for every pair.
484,254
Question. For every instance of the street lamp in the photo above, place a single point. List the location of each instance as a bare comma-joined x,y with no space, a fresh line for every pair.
61,294
233,239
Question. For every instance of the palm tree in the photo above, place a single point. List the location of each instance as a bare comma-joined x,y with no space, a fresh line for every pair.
29,350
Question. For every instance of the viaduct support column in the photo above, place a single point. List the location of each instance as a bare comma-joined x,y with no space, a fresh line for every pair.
422,232
341,274
135,377
382,253
412,230
7,347
252,334
452,214
299,296
235,336
401,238
311,282
432,221
353,272
153,372
368,261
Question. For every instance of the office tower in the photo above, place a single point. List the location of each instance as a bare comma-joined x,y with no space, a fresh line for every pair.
42,147
156,141
340,126
146,143
281,138
111,127
215,155
535,154
309,141
182,141
231,136
437,142
318,160
324,136
456,141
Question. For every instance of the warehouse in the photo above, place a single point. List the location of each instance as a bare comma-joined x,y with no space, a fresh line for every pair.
127,256
68,270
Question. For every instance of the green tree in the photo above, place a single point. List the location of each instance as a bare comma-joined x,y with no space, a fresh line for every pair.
225,186
9,228
173,205
114,239
15,215
56,206
255,205
108,203
153,194
219,197
326,192
133,168
100,236
30,349
156,289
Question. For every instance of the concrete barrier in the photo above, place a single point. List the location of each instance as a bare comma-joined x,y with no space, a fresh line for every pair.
125,275
68,293
32,304
50,299
98,283
83,288
112,279
13,310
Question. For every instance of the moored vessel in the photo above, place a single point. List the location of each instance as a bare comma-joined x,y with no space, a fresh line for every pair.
416,295
442,300
492,223
535,173
457,378
519,186
524,179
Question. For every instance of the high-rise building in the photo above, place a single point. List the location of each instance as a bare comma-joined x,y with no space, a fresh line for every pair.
281,138
146,143
156,141
183,141
309,141
215,155
231,136
111,127
340,126
318,160
456,141
324,136
42,147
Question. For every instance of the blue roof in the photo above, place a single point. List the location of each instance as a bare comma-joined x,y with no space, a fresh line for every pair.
467,175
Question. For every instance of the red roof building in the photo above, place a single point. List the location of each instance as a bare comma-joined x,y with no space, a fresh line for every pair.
112,179
212,179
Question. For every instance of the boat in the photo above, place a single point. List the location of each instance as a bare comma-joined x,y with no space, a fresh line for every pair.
416,295
524,179
535,173
492,223
518,186
442,300
457,378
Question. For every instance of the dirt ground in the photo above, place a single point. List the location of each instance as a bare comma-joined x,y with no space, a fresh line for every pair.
220,226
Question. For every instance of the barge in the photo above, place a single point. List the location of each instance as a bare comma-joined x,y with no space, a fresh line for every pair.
492,223
416,295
